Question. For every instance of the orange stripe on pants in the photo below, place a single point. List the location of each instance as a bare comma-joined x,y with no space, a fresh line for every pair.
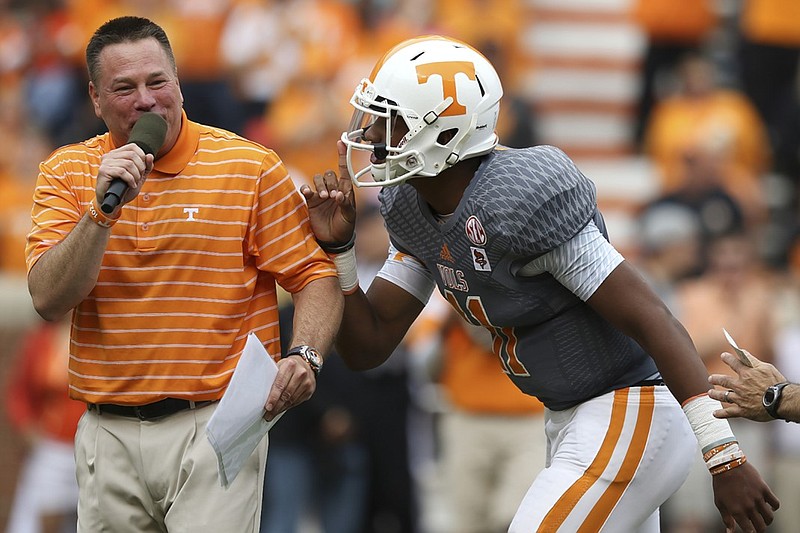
611,496
599,514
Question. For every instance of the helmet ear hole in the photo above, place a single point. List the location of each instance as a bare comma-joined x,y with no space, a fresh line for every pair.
446,136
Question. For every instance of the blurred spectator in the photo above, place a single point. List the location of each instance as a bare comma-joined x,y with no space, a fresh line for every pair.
343,458
15,223
16,47
672,30
770,60
55,92
302,123
669,248
260,55
46,498
720,121
517,124
485,472
704,194
388,407
328,32
499,22
318,465
23,147
306,116
736,293
195,31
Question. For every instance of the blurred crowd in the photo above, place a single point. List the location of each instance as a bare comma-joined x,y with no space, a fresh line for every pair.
718,118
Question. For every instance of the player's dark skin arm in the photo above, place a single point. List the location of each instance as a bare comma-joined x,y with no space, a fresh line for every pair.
374,324
629,304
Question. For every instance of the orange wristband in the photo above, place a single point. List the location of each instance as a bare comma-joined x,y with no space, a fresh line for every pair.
728,466
99,218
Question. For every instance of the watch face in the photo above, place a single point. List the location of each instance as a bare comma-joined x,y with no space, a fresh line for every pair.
313,356
769,396
309,355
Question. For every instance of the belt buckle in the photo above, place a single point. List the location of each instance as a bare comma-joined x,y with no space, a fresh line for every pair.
137,409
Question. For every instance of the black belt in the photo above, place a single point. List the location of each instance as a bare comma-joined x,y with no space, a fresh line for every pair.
649,383
150,411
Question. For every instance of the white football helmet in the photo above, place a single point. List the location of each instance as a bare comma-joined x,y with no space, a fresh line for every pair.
448,95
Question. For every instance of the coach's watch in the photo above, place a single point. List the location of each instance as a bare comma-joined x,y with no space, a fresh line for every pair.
772,399
309,355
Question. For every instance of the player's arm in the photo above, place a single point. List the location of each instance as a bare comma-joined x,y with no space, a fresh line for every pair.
374,324
740,494
592,269
616,291
626,300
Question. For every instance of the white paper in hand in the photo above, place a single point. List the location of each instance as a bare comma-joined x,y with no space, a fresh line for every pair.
741,354
237,425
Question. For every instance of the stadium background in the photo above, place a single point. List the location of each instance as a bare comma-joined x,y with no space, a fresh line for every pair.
281,72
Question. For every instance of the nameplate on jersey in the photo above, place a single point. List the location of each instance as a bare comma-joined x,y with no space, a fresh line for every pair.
452,278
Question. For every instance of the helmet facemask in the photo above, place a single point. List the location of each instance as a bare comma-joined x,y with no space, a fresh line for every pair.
393,164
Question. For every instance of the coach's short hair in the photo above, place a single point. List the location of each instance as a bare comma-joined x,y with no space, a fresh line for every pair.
120,30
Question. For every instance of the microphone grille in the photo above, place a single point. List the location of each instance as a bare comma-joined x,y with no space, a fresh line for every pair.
149,133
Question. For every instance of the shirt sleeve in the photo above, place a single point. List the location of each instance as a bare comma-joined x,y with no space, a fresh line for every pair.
56,210
408,273
581,264
280,235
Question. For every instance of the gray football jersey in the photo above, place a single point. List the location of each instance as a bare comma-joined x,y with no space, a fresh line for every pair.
521,204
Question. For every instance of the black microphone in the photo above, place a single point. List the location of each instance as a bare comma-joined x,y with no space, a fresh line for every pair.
148,134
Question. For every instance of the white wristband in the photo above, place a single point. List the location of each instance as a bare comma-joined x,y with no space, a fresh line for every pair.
729,454
347,269
710,431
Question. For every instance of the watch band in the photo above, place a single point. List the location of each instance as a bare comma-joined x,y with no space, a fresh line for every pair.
772,399
309,355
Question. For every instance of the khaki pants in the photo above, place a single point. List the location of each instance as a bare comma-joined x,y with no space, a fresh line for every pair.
158,476
489,462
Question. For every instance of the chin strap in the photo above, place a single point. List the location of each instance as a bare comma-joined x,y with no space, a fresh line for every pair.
461,139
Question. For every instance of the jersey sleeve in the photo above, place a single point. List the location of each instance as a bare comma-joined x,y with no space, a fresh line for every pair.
539,199
581,264
408,273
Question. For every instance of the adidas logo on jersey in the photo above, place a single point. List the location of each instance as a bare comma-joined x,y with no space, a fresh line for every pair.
445,254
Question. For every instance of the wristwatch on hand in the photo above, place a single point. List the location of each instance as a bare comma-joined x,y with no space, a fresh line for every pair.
309,355
772,399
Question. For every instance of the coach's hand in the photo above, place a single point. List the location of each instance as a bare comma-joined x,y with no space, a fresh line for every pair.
128,163
743,498
744,392
294,384
332,206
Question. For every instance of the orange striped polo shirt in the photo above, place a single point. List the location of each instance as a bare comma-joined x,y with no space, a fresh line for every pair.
191,267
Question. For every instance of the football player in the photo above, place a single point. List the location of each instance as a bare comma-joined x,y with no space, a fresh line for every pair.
514,240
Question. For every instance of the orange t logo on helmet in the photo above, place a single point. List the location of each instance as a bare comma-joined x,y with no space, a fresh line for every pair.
448,70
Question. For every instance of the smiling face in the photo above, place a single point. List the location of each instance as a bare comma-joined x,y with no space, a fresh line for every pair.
135,77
